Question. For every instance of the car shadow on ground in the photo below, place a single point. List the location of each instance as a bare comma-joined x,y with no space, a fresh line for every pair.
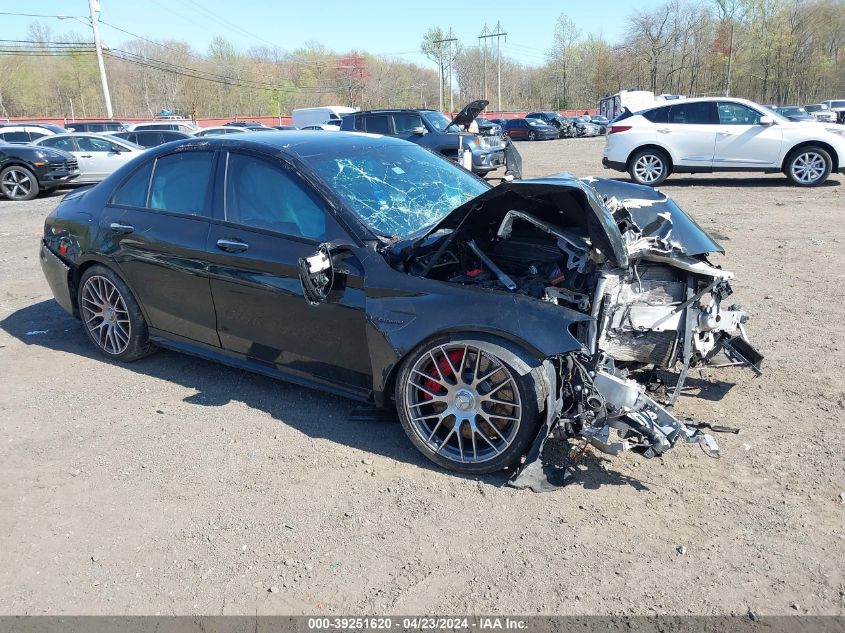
311,412
768,183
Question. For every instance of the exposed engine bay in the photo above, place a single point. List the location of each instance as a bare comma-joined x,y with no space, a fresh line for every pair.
653,299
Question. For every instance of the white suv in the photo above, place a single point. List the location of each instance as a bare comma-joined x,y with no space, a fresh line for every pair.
707,135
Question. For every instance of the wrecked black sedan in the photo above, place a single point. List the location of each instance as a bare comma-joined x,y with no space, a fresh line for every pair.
367,266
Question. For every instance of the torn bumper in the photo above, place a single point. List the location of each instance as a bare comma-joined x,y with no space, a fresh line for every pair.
58,277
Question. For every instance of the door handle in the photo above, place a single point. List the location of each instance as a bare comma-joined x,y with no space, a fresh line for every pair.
664,130
86,156
119,227
725,133
231,246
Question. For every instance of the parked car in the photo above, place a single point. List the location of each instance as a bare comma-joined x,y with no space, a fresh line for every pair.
26,171
565,127
250,125
584,127
27,132
52,127
151,138
300,117
821,112
721,134
217,130
187,127
601,121
97,126
431,129
838,107
322,127
795,113
530,130
98,155
285,127
488,127
372,268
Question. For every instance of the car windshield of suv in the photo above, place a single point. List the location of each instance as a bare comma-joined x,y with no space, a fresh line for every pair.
535,122
396,190
438,121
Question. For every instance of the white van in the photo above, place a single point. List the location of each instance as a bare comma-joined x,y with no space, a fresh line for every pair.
318,116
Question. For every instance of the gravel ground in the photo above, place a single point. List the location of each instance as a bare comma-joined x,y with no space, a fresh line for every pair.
177,486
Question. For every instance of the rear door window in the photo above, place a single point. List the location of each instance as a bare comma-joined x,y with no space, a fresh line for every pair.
378,124
63,142
696,113
133,192
147,139
15,137
181,183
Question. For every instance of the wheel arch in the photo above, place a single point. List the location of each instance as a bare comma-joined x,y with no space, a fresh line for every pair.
834,156
84,264
651,146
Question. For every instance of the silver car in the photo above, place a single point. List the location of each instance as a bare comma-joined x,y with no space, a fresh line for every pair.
98,155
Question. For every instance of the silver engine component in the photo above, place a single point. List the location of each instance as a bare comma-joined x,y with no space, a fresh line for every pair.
633,414
638,323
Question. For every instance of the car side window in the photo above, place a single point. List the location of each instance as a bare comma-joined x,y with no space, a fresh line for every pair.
737,114
133,192
148,139
34,136
263,195
406,123
63,142
15,137
696,113
92,144
180,182
657,115
378,124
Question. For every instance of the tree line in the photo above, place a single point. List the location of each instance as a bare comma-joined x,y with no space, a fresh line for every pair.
770,51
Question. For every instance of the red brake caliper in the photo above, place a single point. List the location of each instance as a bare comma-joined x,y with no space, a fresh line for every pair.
456,356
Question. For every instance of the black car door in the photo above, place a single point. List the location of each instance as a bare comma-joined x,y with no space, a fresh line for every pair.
155,228
268,218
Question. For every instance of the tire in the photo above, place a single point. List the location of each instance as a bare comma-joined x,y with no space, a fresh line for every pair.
496,418
808,166
18,183
532,135
649,167
111,317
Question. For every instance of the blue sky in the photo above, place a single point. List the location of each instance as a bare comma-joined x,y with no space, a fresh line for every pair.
393,28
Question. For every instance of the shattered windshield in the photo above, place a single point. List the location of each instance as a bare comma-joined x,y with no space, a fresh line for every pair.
397,190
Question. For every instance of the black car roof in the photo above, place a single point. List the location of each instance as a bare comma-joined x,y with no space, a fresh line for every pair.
299,142
387,110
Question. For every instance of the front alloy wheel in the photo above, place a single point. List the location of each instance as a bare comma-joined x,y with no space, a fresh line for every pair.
18,183
809,166
532,135
465,408
649,168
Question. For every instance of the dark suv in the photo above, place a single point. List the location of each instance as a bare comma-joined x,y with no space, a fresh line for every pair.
433,130
27,170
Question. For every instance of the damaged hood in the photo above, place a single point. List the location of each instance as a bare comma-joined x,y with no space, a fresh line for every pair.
557,191
469,112
664,225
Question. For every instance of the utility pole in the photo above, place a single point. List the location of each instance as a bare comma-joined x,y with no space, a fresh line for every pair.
94,7
730,59
451,38
498,35
484,35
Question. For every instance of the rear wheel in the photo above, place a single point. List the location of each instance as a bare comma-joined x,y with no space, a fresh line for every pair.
649,167
808,166
465,408
111,316
18,183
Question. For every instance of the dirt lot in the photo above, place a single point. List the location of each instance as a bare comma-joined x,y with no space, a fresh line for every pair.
174,485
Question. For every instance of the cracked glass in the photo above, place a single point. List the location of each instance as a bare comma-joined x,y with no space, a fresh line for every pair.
397,190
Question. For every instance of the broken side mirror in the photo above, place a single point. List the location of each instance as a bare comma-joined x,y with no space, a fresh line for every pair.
323,274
